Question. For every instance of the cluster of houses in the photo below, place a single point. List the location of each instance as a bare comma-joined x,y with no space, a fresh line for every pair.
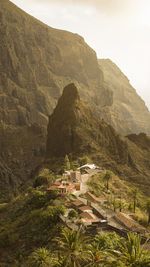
72,181
93,216
87,214
89,207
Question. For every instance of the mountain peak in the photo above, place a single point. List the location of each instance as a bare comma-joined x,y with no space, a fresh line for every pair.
74,129
70,94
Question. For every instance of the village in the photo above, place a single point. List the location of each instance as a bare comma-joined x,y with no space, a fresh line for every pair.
86,209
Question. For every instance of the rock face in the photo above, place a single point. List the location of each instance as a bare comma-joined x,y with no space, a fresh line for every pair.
74,129
36,63
128,113
141,140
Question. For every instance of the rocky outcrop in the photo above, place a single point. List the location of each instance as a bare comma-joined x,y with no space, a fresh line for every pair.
75,130
128,112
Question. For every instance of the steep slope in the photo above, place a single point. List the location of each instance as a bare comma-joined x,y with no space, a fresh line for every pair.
128,113
36,62
74,129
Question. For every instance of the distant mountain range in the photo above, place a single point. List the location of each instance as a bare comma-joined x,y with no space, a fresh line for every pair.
36,63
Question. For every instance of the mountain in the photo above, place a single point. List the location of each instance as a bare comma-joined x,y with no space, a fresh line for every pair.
75,130
128,112
36,63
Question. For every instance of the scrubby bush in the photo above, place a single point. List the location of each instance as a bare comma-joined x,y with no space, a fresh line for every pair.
37,199
72,214
45,178
84,160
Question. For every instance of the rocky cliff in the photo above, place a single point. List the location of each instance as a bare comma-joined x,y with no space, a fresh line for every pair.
36,62
128,112
74,129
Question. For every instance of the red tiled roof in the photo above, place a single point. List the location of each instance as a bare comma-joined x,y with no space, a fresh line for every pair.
89,217
86,215
59,185
128,222
85,208
78,203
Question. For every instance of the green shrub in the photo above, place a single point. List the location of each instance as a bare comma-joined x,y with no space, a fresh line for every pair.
84,160
45,178
106,240
37,199
41,257
72,214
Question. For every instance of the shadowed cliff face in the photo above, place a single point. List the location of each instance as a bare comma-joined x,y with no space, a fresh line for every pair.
74,129
128,113
141,140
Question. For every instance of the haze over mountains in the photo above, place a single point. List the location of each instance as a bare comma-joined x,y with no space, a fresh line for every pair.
36,63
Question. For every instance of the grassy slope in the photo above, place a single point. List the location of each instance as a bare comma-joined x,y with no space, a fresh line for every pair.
120,189
29,222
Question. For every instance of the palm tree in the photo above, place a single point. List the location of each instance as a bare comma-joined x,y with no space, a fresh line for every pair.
66,163
40,258
107,177
100,257
135,195
115,204
133,254
148,210
73,248
97,258
106,241
101,250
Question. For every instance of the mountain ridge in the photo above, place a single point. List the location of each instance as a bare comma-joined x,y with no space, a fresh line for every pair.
127,104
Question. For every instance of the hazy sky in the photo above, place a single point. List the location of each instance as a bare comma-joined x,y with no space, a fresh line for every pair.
116,29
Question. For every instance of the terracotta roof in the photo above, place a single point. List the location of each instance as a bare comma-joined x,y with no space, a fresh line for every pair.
89,217
61,185
129,223
84,208
78,203
86,215
53,187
